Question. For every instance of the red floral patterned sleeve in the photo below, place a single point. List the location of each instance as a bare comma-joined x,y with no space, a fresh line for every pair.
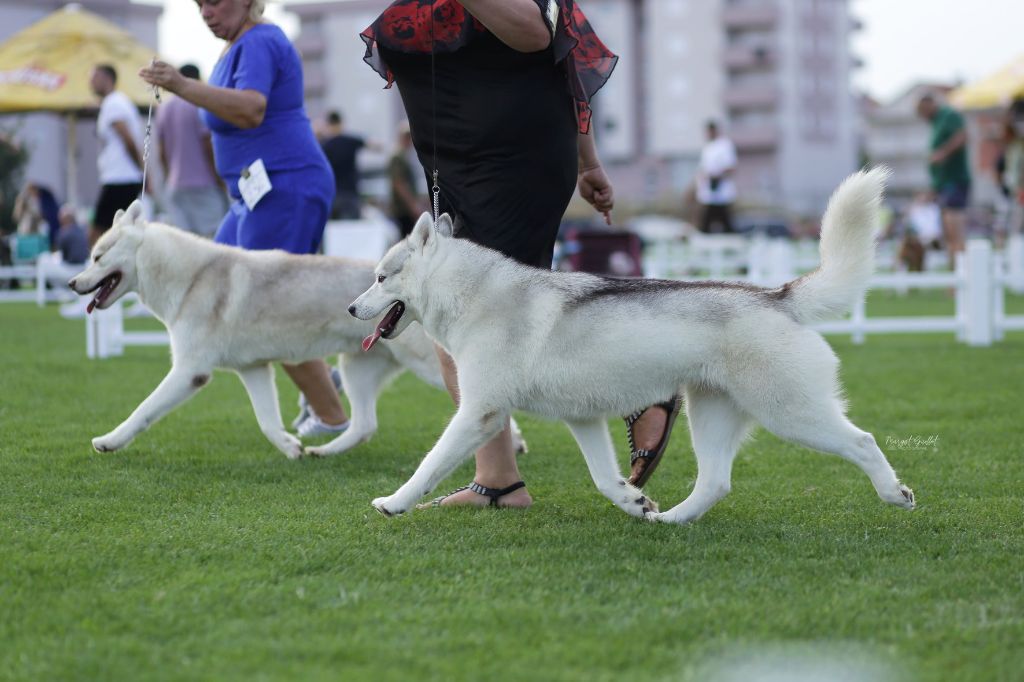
405,26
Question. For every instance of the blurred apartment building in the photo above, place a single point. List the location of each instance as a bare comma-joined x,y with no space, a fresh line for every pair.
775,72
47,134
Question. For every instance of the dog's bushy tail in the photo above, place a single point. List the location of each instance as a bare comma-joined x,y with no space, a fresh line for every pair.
848,233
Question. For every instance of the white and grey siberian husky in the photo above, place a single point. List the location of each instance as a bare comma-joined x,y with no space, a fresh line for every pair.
229,308
582,348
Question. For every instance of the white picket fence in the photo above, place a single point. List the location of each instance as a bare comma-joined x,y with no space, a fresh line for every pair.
979,281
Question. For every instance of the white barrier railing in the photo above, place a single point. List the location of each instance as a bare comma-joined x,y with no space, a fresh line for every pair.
979,282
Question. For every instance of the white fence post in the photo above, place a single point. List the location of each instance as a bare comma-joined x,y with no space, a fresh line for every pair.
757,261
1014,254
858,317
782,266
978,292
107,327
960,295
91,340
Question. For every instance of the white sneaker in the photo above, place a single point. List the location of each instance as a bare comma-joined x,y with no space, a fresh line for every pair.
304,412
312,426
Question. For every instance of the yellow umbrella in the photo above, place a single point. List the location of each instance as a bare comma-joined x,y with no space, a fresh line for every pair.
46,67
997,90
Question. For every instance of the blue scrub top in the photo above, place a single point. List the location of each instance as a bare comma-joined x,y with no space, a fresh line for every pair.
264,60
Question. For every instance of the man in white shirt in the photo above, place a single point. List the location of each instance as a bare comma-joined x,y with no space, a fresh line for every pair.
716,189
120,130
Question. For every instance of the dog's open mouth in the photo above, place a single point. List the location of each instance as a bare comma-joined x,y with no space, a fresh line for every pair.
386,326
105,288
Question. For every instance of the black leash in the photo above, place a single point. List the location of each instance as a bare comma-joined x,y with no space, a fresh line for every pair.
435,189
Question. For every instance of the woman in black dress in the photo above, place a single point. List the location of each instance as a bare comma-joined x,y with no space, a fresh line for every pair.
510,83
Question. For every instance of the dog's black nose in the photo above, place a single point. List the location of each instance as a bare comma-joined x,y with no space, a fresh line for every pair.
71,282
352,310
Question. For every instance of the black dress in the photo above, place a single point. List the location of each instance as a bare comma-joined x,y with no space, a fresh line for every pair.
506,121
506,142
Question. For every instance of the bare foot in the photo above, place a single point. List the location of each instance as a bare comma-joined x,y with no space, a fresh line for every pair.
649,428
648,432
517,499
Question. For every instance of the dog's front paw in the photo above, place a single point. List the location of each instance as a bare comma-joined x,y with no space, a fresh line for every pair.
903,497
288,444
643,506
107,443
388,506
633,501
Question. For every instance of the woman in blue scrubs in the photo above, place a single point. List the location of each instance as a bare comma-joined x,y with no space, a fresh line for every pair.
253,106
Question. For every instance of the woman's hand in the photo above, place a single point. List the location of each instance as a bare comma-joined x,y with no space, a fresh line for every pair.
163,75
597,190
241,108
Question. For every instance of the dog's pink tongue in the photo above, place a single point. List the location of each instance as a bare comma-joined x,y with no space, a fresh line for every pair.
371,339
89,308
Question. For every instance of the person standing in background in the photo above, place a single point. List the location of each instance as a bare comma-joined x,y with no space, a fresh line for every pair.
72,241
1012,171
947,165
195,194
406,203
716,189
341,149
119,128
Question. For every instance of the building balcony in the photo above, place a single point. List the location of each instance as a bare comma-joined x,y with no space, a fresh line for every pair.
739,97
310,45
754,137
747,15
314,82
743,57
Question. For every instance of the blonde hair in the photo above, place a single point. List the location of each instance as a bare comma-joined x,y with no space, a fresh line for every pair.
256,9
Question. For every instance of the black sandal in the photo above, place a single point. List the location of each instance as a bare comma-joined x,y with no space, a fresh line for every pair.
652,457
493,493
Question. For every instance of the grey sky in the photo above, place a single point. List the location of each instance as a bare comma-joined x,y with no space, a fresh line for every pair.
903,40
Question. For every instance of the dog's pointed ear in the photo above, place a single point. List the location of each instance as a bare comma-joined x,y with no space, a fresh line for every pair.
135,212
444,226
117,216
421,232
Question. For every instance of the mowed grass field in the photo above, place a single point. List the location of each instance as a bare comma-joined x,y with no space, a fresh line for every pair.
202,553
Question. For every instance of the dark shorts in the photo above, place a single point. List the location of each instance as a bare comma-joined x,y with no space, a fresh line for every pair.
953,196
112,199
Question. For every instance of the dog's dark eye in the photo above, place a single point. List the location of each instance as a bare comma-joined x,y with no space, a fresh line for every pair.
381,278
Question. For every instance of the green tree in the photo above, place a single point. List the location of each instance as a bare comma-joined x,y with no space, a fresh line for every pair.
13,158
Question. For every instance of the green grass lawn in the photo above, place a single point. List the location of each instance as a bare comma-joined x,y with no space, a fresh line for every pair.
202,553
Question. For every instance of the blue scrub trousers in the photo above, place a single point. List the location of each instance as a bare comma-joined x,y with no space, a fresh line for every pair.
291,216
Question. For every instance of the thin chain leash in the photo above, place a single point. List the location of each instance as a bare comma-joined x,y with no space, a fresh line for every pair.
149,134
435,189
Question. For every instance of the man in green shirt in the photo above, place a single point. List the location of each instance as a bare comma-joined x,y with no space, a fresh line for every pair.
947,165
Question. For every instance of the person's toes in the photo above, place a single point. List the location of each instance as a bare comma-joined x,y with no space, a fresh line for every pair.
518,499
465,498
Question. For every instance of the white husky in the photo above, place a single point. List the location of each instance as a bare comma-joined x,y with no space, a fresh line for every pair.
582,348
234,309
